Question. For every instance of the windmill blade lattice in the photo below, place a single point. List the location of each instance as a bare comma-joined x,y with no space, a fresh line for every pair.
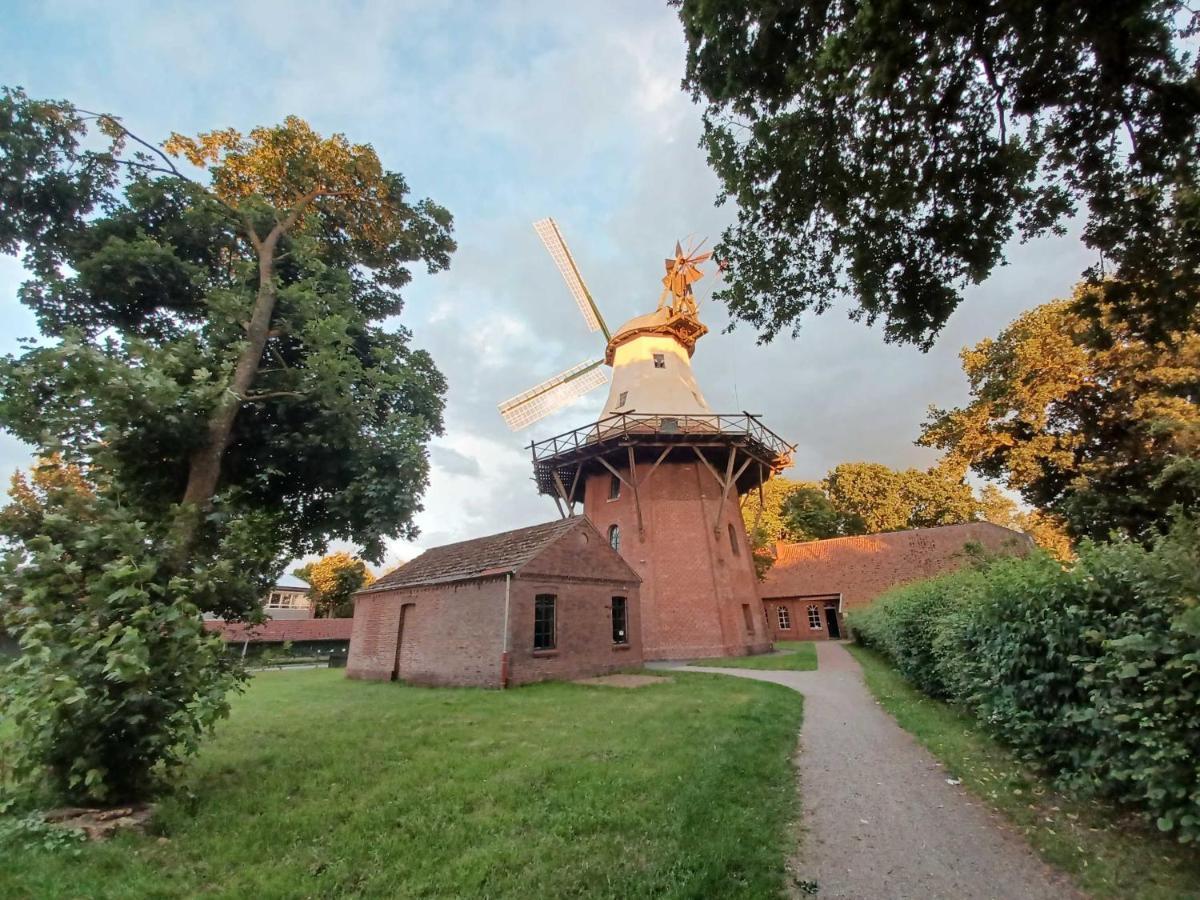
553,394
548,231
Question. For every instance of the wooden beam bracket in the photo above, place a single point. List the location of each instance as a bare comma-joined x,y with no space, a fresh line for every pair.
562,492
637,500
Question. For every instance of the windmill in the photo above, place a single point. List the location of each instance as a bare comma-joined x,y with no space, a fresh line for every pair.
676,304
659,472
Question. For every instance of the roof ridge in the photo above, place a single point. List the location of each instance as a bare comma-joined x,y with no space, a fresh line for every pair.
878,534
504,551
484,537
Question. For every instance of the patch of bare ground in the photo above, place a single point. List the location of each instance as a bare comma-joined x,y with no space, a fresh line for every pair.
101,824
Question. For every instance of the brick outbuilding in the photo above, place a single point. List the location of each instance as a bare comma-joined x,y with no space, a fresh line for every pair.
549,601
812,585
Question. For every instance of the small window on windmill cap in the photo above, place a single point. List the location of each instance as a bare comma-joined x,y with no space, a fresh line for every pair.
622,398
660,361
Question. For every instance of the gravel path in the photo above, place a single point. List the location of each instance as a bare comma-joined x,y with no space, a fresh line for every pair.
879,818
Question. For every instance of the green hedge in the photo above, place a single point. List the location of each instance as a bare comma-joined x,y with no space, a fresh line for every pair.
1092,671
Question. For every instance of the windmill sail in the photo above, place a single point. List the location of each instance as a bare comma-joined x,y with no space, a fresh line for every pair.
553,394
548,231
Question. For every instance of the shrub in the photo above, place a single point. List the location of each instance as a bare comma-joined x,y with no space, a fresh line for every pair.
117,679
1092,671
907,625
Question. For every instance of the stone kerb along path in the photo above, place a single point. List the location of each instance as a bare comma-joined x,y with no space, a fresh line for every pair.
880,818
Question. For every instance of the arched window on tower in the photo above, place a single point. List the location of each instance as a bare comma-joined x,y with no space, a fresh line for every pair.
733,545
614,537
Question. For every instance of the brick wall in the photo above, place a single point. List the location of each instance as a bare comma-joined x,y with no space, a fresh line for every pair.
694,585
453,634
584,576
859,569
800,623
583,633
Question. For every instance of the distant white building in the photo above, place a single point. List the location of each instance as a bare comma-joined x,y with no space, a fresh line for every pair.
287,601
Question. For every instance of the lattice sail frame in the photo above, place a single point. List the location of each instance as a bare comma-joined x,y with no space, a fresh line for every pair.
548,231
553,394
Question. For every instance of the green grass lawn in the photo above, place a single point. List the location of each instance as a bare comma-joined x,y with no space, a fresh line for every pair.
799,656
1108,855
322,787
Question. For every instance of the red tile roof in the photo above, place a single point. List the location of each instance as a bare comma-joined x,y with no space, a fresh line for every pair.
864,544
280,630
863,566
494,554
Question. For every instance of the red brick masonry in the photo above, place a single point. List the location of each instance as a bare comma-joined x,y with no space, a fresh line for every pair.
440,619
699,592
843,574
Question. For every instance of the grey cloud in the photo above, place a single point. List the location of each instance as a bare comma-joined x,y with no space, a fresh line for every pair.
455,463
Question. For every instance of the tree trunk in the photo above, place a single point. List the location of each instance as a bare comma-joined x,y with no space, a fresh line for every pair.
204,468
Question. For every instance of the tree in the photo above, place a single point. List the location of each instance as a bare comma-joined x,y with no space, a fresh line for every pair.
216,345
872,492
878,498
939,496
892,151
334,579
1102,433
859,498
214,351
766,518
811,516
766,523
1046,531
36,496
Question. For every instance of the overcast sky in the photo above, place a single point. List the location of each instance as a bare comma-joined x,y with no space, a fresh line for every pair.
505,112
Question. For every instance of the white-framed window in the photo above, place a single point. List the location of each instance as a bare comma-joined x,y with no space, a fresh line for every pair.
286,600
814,617
785,618
660,361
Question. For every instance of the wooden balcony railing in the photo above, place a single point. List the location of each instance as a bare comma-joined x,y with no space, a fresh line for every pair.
619,426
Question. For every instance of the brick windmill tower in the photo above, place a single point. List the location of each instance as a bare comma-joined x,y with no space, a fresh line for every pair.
660,473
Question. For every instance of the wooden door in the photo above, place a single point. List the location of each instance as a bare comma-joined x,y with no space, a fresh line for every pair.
832,623
405,611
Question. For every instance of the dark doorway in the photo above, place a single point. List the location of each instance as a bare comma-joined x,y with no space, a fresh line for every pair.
831,621
404,612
